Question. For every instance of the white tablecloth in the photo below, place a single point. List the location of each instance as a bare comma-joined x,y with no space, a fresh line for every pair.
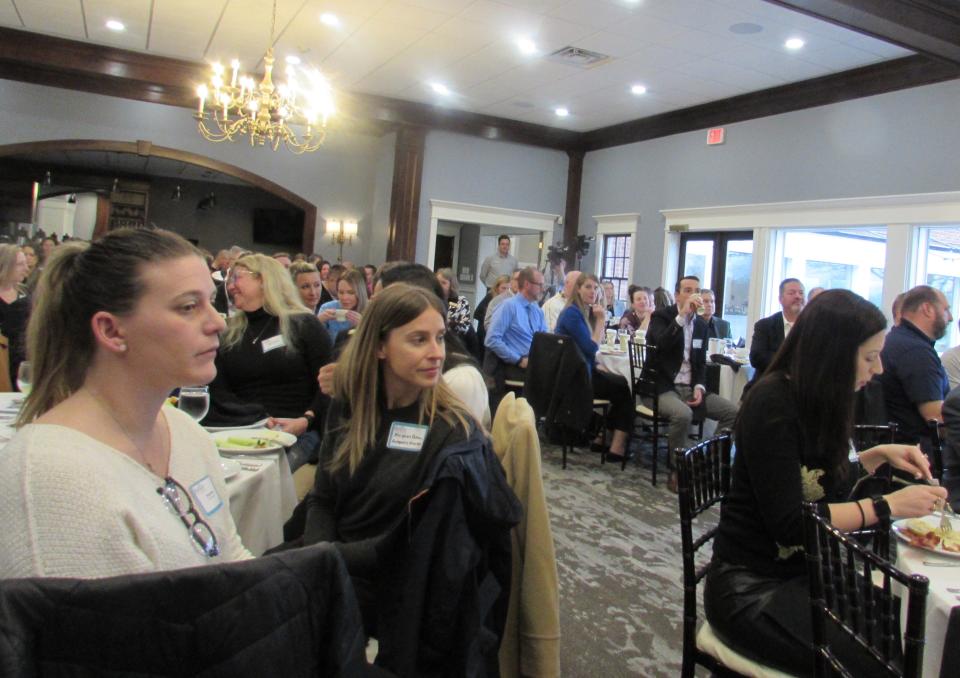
731,383
940,601
262,497
615,363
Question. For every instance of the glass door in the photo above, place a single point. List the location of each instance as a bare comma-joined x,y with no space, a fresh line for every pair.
723,262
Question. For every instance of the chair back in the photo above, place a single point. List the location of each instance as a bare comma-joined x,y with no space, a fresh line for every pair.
840,571
557,383
866,436
703,481
935,429
643,374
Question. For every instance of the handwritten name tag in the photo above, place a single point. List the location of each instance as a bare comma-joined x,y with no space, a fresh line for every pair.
205,496
698,343
272,343
407,437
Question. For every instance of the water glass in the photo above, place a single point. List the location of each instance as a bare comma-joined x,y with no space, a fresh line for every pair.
25,377
195,401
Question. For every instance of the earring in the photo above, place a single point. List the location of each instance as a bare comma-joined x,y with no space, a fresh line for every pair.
122,347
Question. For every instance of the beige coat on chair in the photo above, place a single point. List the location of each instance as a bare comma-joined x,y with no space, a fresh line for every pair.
531,639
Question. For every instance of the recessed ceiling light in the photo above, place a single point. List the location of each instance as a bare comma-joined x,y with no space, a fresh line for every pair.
638,90
794,43
561,112
527,46
440,88
330,20
115,25
293,59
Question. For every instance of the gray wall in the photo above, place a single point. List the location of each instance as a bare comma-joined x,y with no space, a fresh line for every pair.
339,178
481,172
229,223
903,142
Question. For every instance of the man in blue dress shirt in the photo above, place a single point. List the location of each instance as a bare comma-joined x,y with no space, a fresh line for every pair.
512,328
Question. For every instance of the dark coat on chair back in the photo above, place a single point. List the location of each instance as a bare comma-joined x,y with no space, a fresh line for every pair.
667,336
557,384
292,614
442,602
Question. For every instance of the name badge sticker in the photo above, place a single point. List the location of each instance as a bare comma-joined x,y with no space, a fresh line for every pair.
407,437
698,343
272,343
205,496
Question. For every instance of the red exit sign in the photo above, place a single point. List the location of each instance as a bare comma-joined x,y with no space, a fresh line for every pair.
715,136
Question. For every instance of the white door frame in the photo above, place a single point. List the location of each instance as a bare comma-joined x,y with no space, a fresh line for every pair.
484,215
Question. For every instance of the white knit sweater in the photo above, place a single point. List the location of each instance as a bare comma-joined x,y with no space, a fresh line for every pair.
71,506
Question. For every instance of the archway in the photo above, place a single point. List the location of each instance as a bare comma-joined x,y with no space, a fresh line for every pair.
147,148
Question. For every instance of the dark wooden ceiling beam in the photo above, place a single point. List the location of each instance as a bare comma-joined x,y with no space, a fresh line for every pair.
879,78
930,27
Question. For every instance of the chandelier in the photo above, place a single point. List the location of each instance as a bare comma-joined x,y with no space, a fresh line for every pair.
267,113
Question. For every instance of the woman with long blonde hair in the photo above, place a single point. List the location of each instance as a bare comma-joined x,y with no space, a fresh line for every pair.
14,304
95,480
583,320
392,419
271,352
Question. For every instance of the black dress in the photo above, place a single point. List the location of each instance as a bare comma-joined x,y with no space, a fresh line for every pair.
757,596
13,325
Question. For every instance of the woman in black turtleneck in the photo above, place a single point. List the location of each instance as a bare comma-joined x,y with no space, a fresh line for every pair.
270,354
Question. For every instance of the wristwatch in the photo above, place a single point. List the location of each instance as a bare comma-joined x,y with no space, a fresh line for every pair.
881,508
309,416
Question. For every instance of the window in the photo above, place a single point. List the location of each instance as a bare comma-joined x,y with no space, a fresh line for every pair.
617,266
839,258
939,256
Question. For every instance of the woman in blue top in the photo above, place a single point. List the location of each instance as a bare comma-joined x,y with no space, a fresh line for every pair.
343,314
583,321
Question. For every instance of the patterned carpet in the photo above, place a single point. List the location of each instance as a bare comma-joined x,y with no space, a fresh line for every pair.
618,557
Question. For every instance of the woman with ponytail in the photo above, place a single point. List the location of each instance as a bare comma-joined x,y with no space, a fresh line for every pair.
101,479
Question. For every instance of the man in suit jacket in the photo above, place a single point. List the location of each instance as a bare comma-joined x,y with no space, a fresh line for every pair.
951,446
679,362
769,332
717,328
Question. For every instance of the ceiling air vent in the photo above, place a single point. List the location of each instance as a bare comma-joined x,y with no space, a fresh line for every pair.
577,56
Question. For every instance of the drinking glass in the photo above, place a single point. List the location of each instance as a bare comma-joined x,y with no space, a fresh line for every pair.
195,401
25,377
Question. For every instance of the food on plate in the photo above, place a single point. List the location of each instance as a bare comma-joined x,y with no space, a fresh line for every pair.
253,443
951,542
921,533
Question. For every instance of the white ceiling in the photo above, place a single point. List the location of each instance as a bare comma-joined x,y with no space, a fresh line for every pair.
683,51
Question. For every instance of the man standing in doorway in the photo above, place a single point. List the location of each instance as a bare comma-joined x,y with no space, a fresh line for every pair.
500,263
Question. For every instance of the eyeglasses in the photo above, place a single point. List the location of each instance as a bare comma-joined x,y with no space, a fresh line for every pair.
178,499
232,278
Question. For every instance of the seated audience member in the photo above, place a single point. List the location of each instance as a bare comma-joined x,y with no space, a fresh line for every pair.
717,328
458,308
94,480
14,305
662,298
555,305
306,277
951,365
501,285
369,273
793,445
814,291
511,332
895,309
637,317
951,446
329,275
680,362
343,314
512,290
615,307
582,319
914,382
393,421
283,258
769,332
270,354
33,271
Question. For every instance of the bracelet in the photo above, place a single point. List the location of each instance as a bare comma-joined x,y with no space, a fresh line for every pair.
309,417
863,516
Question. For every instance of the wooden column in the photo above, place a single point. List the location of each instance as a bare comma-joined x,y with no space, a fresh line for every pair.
405,196
571,215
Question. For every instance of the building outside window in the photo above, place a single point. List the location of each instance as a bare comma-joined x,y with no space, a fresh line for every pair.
617,266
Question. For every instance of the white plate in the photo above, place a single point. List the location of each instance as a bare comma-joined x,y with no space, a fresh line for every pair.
215,429
899,529
273,440
230,468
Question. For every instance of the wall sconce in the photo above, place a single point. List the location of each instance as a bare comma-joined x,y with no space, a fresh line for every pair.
48,179
177,194
341,232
